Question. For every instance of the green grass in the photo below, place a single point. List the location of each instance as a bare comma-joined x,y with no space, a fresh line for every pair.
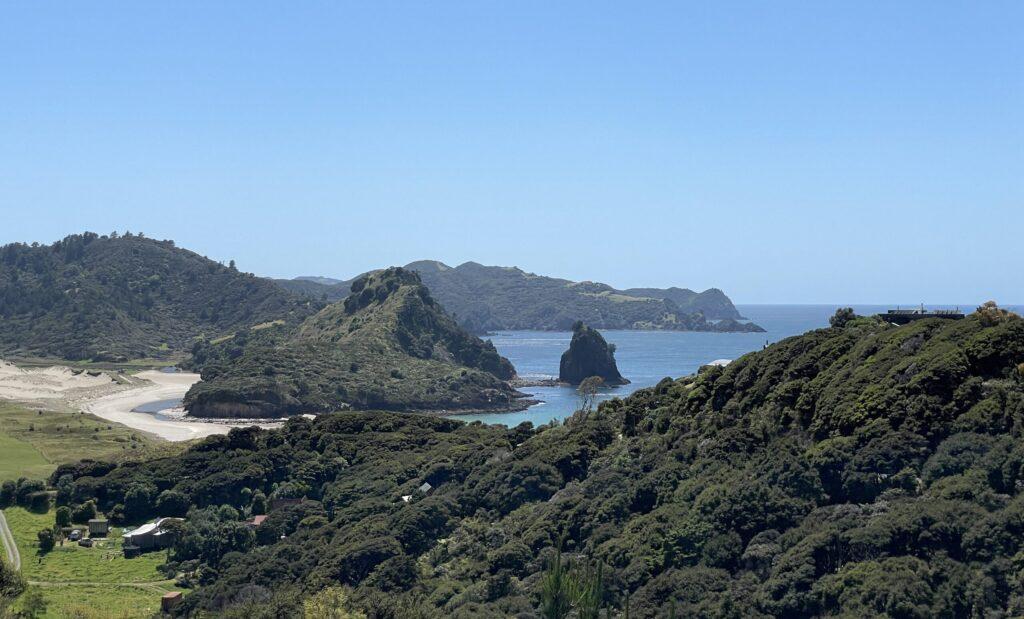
109,590
32,444
101,601
103,563
21,459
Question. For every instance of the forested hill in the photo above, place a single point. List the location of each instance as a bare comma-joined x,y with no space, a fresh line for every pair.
121,297
860,470
389,345
489,298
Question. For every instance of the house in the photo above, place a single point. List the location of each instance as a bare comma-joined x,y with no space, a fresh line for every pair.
170,600
99,527
904,316
150,536
255,521
426,488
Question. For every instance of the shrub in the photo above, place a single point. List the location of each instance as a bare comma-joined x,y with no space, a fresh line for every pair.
47,540
83,513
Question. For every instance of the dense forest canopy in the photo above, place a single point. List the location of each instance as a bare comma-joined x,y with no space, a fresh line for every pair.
388,345
489,298
858,470
122,297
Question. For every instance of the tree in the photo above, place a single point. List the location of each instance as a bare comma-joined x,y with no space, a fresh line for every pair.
26,488
172,503
259,503
39,502
47,540
8,491
588,391
63,516
138,501
842,316
11,582
65,489
330,603
555,602
84,513
586,586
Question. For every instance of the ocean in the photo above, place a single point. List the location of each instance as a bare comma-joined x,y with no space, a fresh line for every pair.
646,357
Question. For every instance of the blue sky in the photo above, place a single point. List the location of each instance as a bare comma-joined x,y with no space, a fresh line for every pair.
785,152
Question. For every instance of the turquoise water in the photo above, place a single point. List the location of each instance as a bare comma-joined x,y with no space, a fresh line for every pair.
645,357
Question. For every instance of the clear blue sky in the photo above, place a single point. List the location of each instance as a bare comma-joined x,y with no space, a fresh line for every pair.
785,152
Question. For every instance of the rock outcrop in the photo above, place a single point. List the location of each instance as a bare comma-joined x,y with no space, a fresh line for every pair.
589,355
387,346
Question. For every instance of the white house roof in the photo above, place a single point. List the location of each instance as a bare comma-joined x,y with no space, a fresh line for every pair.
149,527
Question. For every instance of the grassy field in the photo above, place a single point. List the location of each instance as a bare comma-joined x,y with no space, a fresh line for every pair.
101,601
108,585
21,459
33,443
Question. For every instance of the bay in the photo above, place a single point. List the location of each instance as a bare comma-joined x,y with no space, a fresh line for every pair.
646,357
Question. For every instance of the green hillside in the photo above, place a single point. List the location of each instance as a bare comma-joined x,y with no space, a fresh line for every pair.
114,298
860,470
388,346
488,298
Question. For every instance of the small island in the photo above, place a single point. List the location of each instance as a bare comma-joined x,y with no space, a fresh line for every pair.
589,355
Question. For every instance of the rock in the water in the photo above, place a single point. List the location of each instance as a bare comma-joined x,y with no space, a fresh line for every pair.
589,355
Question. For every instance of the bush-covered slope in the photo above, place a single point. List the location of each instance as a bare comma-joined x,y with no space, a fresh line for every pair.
389,345
488,298
121,297
863,470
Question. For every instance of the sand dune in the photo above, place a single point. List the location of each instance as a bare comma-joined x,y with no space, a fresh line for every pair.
47,383
110,399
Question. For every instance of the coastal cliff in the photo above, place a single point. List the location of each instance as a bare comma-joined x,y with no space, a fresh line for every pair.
589,355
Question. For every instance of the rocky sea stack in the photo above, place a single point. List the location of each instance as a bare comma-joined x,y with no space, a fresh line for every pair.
589,355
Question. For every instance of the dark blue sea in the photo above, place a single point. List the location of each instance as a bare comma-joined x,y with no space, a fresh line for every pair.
645,357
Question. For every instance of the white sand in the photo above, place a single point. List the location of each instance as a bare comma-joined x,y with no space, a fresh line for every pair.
112,400
48,383
117,407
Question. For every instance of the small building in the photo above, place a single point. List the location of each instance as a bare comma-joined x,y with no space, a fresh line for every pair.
426,488
905,316
99,527
169,601
256,521
150,536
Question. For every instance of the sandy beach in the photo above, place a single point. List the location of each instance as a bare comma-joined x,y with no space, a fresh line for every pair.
117,407
51,383
103,396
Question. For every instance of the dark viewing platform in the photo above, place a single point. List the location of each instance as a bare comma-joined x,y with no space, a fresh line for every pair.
904,316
